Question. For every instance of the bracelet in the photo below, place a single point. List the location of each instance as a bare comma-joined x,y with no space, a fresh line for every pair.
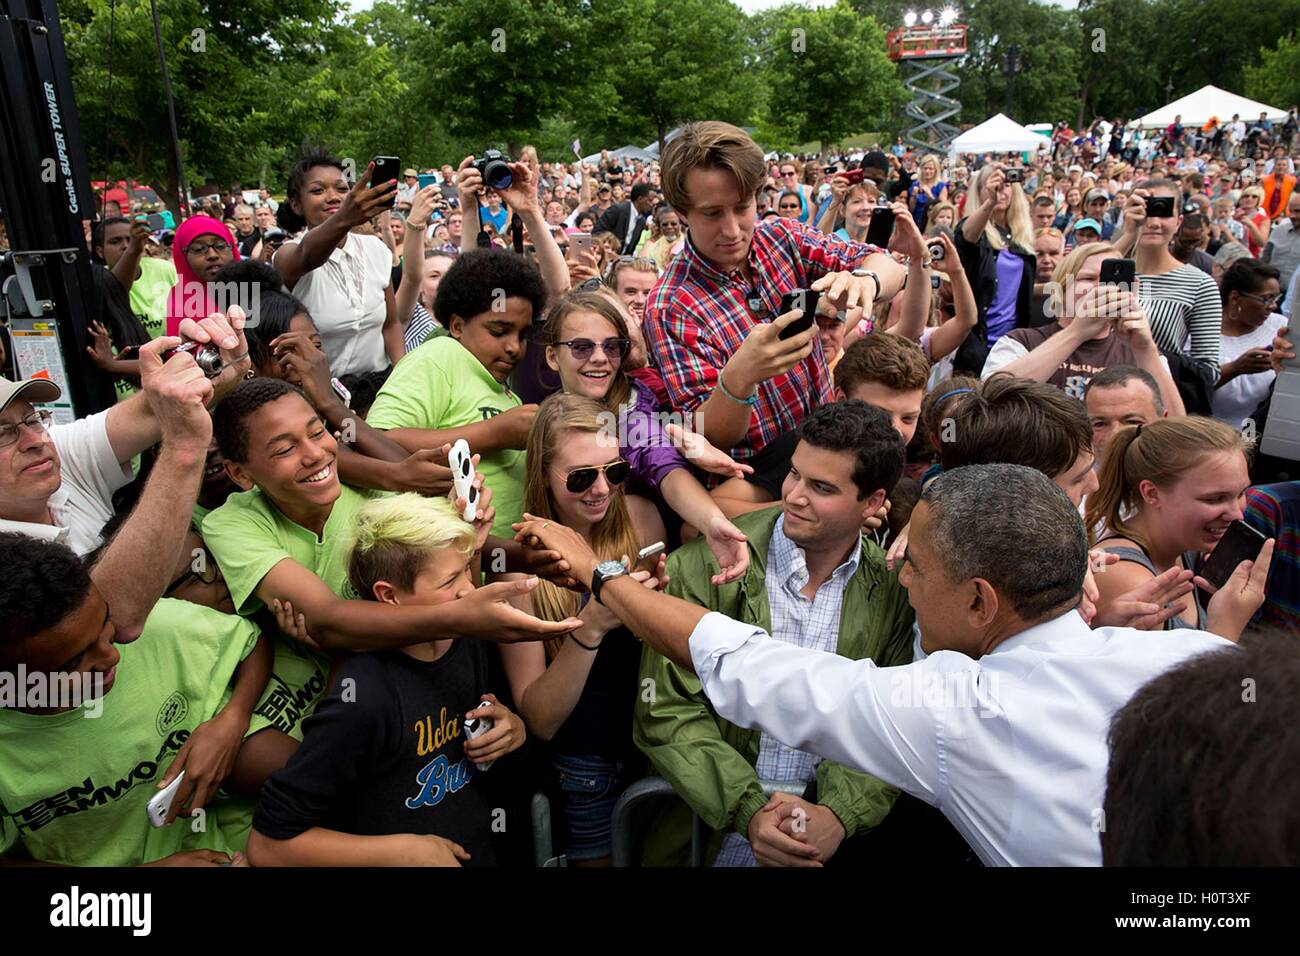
416,225
585,647
751,401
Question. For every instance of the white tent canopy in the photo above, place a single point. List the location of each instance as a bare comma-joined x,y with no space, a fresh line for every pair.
1197,108
623,152
999,134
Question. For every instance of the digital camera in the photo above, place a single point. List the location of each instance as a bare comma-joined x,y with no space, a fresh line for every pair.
495,169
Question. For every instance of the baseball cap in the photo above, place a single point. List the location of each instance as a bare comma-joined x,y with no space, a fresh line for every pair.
409,171
603,188
1097,194
33,390
1088,224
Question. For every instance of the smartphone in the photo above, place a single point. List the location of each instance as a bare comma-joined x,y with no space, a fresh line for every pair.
805,299
1121,272
1014,175
882,226
1160,207
386,168
1240,543
648,557
427,179
581,244
854,176
829,170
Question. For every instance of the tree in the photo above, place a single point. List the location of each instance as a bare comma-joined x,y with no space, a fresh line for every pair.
1276,79
1047,86
828,72
673,61
1118,77
497,68
232,67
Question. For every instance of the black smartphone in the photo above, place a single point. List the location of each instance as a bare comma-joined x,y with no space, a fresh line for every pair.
882,226
1014,175
805,299
386,168
1118,272
1160,207
1239,543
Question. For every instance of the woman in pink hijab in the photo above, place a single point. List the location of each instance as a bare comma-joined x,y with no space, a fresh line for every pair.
201,247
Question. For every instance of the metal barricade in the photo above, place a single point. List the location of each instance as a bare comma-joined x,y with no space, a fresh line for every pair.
657,788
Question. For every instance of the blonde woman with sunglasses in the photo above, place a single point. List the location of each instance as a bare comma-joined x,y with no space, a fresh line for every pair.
578,692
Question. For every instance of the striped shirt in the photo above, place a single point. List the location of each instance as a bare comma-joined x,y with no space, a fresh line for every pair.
421,326
1184,304
697,317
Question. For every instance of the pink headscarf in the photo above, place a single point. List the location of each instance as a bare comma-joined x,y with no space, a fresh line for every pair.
189,298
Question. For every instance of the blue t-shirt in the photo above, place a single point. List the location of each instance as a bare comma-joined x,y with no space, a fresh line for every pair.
1001,316
498,219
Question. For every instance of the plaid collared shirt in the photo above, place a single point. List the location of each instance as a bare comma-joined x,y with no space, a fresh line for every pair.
697,317
797,620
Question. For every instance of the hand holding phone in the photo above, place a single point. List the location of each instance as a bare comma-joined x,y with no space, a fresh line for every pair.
386,170
805,300
462,477
1239,543
647,557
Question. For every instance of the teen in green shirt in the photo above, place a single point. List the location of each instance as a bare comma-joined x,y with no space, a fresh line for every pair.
455,387
74,780
285,539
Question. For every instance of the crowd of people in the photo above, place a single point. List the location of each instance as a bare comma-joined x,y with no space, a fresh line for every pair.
858,538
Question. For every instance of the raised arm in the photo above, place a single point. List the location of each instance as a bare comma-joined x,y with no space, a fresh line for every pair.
136,565
129,264
408,293
295,260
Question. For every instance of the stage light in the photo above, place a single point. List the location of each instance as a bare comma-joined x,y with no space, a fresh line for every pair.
909,18
947,17
926,17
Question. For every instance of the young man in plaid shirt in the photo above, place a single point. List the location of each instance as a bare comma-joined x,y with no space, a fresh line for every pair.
711,324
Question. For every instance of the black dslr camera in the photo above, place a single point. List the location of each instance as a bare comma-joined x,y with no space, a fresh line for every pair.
495,169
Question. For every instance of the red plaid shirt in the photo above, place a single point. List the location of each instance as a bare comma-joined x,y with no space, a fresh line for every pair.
697,317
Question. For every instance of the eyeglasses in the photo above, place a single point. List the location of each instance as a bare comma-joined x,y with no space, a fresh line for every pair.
218,246
208,575
614,347
1268,300
37,421
580,479
788,172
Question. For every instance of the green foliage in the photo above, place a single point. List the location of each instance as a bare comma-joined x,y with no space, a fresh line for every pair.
1276,80
827,72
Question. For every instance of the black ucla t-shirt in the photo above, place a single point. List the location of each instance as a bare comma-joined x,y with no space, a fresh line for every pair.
385,753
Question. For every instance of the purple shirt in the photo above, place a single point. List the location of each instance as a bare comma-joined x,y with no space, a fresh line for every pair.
642,441
1001,315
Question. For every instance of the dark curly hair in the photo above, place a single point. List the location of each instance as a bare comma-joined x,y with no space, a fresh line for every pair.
1202,762
230,418
43,583
478,278
864,431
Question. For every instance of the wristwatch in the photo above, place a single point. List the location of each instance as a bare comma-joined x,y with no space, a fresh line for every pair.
869,274
605,571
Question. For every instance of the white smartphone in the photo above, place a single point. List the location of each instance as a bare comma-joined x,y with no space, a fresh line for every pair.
648,556
580,244
161,803
477,727
462,477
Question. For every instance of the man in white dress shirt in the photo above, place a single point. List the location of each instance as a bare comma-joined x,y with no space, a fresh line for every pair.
1003,726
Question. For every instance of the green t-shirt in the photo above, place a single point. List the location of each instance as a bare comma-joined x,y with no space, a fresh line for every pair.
149,293
73,787
249,535
442,385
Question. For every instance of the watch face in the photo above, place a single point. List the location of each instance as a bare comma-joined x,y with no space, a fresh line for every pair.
608,568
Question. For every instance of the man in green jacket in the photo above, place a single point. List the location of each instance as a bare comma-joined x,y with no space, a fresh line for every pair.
813,581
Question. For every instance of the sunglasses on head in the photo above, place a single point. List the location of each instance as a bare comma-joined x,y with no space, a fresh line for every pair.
580,479
614,347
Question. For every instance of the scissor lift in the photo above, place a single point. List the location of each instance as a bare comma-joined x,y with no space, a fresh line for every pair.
928,54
